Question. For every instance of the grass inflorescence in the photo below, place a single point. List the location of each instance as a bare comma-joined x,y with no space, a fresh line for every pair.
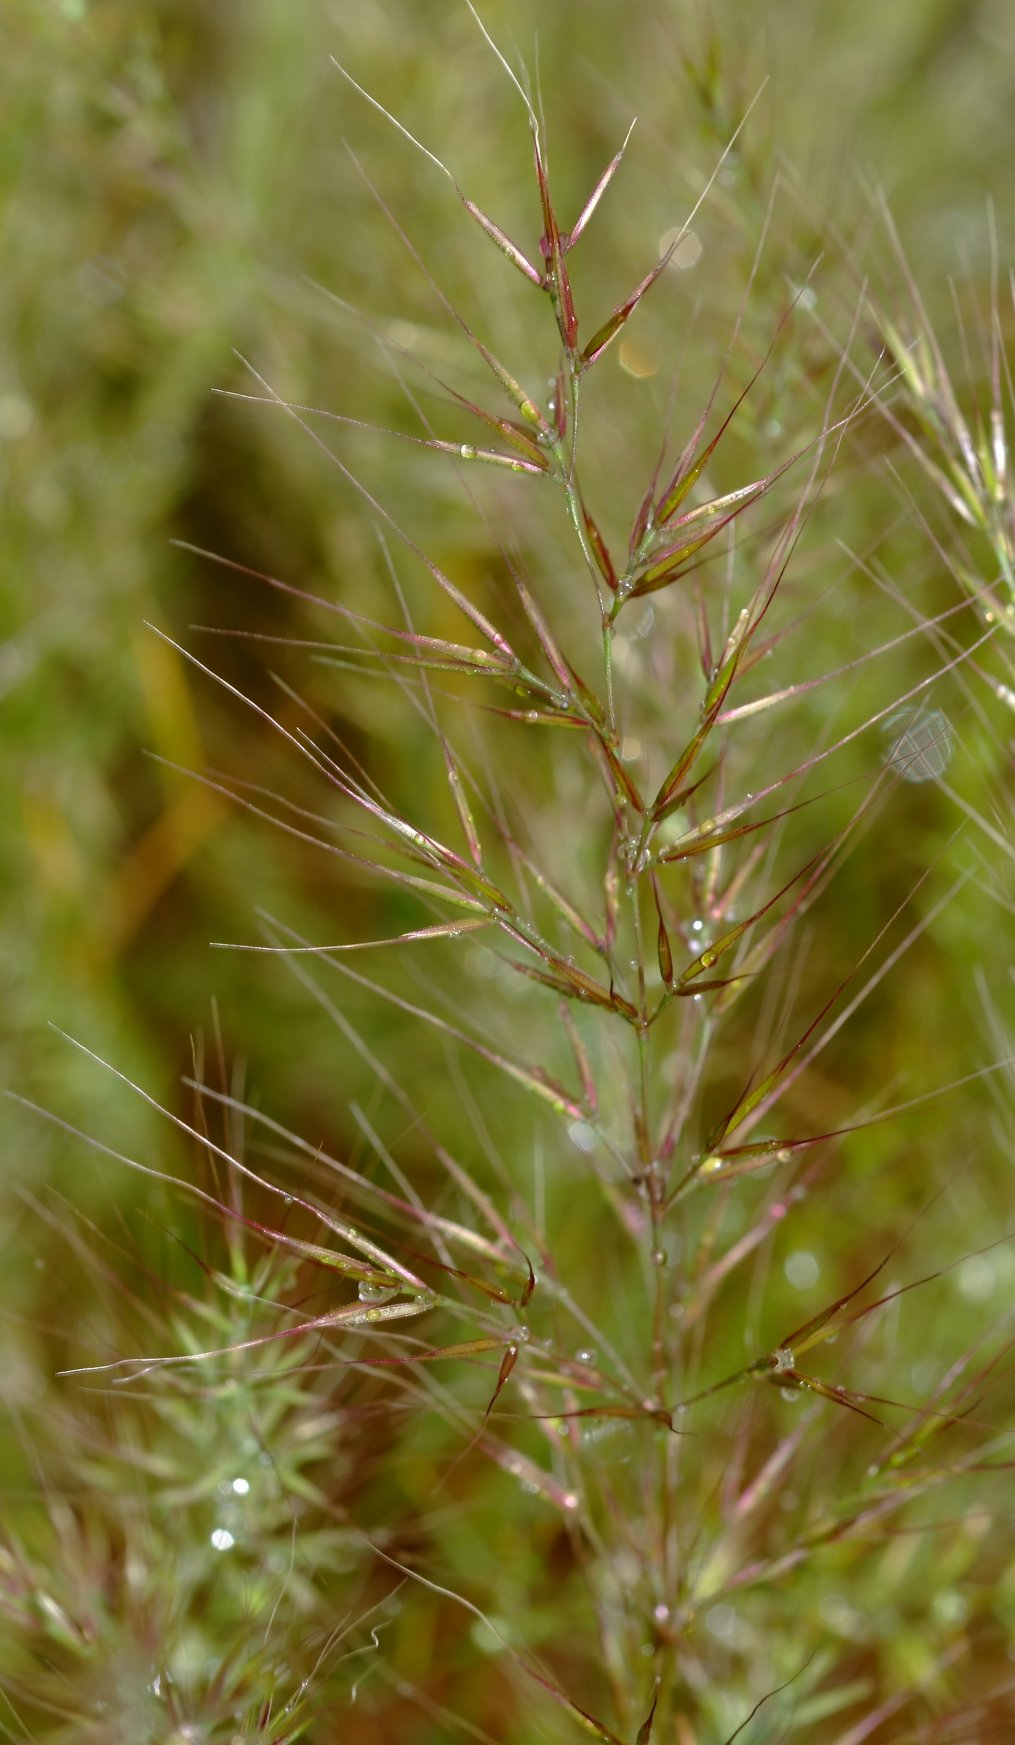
616,1349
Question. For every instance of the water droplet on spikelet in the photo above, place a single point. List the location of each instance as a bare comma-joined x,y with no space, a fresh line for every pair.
374,1293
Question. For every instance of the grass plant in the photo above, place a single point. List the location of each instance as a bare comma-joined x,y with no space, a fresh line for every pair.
619,1345
957,434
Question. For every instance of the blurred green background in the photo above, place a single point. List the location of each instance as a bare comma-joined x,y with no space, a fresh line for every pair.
177,189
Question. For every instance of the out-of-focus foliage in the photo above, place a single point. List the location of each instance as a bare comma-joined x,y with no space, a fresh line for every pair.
188,186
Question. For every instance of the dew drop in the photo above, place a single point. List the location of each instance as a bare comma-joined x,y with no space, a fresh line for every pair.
659,1257
801,1269
976,1278
721,1621
467,451
918,744
709,959
585,1356
951,1607
374,1293
612,1442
